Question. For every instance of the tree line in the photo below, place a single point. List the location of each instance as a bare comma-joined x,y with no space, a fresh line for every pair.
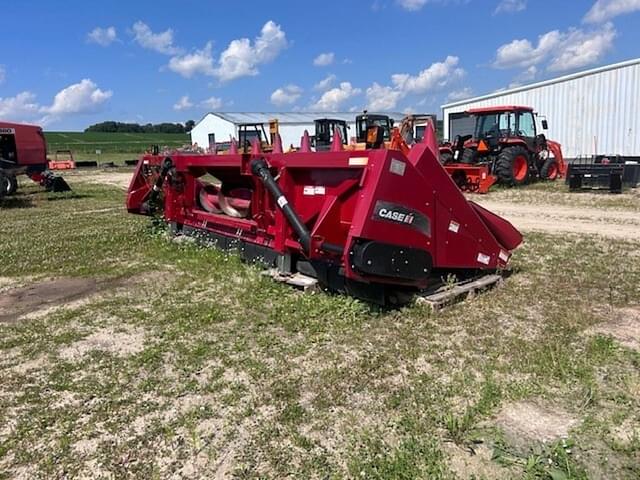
121,127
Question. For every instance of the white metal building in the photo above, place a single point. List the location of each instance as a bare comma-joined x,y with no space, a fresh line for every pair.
220,126
592,112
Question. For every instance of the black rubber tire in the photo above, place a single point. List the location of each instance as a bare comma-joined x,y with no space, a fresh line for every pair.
446,158
504,166
468,156
12,184
544,170
3,185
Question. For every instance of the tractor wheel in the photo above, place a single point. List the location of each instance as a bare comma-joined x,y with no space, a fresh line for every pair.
512,166
468,156
11,184
549,170
446,158
3,185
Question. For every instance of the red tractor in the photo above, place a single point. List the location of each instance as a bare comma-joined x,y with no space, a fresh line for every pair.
507,146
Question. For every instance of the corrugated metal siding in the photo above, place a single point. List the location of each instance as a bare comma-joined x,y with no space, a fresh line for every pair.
596,113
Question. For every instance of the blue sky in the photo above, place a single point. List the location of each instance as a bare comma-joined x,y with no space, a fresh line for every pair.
150,61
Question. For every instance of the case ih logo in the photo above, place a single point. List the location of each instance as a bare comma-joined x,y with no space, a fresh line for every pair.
7,131
396,216
391,212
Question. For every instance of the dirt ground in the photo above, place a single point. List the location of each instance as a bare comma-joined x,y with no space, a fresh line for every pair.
619,224
117,177
125,355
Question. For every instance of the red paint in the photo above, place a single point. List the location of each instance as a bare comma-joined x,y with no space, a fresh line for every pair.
499,109
520,168
335,194
31,147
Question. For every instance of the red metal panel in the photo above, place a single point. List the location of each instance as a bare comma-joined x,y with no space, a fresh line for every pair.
498,109
343,198
30,144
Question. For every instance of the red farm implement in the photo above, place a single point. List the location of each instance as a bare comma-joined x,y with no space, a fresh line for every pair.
23,151
62,160
376,224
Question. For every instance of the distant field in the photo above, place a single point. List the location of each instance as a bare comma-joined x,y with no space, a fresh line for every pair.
109,143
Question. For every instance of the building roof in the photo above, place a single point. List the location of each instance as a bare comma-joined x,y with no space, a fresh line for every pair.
552,81
291,118
500,108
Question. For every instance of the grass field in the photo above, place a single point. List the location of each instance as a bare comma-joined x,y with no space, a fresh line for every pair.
86,143
166,359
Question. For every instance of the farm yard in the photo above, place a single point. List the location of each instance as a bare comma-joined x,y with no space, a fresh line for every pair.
113,146
233,249
125,353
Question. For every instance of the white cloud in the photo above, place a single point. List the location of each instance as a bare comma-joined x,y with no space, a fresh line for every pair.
604,10
82,97
583,49
190,64
286,95
564,50
521,53
3,74
460,94
510,6
160,42
212,103
241,58
435,77
22,107
325,83
183,104
102,36
381,98
412,5
528,75
331,100
324,59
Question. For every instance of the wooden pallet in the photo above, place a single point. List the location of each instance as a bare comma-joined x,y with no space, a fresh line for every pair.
298,280
437,297
444,295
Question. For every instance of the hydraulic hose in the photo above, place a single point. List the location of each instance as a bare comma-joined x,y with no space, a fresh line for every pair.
260,169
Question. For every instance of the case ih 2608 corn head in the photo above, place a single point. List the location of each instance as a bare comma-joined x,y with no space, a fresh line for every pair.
375,224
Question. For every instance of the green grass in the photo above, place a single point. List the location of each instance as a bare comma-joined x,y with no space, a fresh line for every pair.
237,373
108,143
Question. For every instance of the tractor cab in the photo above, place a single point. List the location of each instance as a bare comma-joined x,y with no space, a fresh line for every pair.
248,132
325,129
497,125
373,129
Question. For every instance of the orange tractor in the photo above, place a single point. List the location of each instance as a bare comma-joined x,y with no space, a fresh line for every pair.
504,148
